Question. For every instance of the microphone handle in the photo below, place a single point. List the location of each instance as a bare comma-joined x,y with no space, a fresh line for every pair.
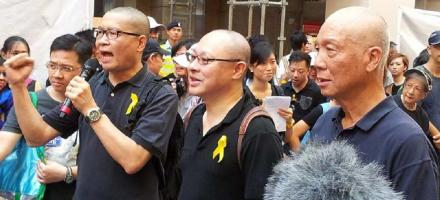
66,108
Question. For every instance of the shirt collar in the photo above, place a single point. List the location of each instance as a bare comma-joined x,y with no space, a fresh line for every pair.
372,117
235,112
136,80
238,108
309,82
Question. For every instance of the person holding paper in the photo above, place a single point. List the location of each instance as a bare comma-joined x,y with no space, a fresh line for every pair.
297,130
261,71
260,83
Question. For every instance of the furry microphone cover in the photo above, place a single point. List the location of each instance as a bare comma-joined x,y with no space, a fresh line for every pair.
328,171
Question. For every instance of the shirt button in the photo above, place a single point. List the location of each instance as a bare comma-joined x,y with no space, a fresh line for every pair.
112,94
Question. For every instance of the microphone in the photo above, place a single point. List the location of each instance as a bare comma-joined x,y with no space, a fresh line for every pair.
89,68
328,171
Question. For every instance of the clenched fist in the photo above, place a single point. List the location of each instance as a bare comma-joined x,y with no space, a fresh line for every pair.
18,69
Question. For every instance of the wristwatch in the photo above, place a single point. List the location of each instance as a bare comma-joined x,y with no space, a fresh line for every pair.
93,115
69,175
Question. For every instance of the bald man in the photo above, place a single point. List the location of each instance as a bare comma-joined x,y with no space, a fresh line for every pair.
113,162
211,167
353,47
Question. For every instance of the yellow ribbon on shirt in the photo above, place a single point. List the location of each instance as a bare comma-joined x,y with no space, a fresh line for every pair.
220,149
134,101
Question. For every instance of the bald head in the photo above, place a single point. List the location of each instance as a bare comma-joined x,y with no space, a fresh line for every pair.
230,42
363,27
136,20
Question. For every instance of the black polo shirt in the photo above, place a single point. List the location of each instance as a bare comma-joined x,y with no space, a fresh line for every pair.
388,136
276,91
101,177
206,178
305,100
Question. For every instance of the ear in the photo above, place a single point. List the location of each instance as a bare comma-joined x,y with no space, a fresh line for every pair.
428,49
374,58
239,70
151,58
142,43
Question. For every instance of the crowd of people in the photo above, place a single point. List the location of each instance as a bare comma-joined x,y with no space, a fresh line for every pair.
345,84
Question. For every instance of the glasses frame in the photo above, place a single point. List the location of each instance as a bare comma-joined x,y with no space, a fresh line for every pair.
62,68
106,33
206,61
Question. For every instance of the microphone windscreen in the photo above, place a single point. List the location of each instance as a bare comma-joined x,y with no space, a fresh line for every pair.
328,171
90,67
92,63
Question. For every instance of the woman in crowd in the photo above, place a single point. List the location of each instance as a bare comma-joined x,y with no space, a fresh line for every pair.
181,82
397,65
15,45
261,72
416,87
5,95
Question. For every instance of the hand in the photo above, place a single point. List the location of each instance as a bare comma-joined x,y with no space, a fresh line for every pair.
18,69
78,91
436,139
50,172
287,114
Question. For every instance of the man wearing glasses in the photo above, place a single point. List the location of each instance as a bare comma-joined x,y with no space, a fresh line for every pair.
67,54
114,162
153,56
213,164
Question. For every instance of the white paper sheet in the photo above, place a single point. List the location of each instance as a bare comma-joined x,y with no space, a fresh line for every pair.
272,104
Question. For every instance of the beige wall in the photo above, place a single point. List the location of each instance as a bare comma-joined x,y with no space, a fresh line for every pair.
388,9
334,5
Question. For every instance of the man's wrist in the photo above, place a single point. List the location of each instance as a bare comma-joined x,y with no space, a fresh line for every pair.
17,85
290,123
93,115
69,175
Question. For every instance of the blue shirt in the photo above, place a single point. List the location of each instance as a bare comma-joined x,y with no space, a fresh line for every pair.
5,103
431,103
388,136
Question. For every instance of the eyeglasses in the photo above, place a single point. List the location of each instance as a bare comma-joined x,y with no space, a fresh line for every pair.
204,61
111,34
415,88
63,68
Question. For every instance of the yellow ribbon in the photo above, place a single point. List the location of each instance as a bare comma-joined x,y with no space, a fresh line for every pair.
294,98
220,149
134,101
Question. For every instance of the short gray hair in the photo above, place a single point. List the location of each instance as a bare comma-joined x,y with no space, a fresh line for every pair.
138,19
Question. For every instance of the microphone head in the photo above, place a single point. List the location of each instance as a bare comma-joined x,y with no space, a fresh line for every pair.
90,67
92,63
328,171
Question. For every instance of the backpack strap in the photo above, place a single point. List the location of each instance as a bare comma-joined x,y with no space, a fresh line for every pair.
149,89
188,115
150,86
40,149
251,114
34,98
